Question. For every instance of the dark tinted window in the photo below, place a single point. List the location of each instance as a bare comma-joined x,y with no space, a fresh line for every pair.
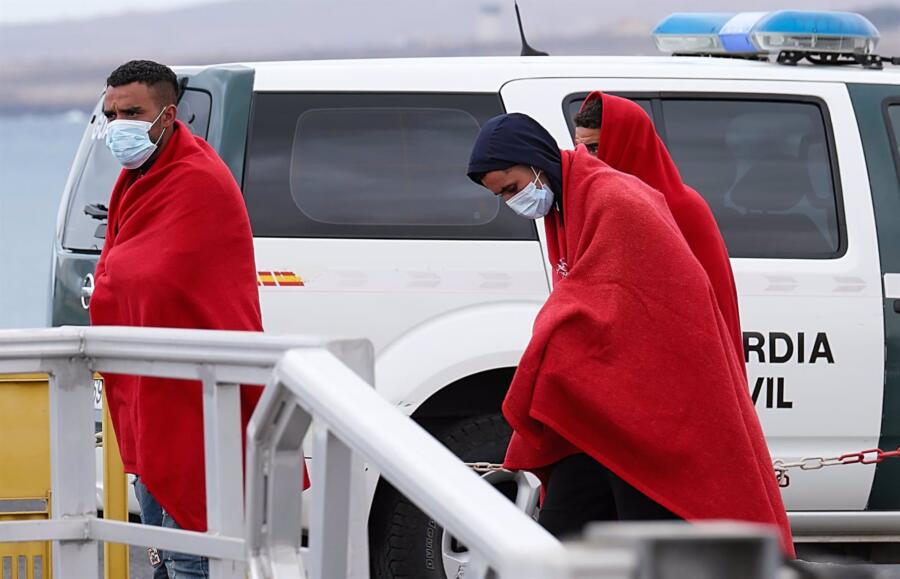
92,187
765,169
573,103
100,170
894,119
193,110
371,166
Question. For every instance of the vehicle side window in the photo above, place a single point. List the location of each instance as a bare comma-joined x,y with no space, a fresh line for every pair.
572,104
92,188
894,121
387,166
193,110
94,185
765,168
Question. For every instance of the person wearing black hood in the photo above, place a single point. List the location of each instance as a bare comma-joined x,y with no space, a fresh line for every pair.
630,385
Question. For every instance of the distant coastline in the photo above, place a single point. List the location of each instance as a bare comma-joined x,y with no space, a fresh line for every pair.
52,87
52,68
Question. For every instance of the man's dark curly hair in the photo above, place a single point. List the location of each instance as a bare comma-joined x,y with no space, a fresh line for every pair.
158,77
591,115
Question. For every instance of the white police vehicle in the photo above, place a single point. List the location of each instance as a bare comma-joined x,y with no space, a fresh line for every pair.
365,224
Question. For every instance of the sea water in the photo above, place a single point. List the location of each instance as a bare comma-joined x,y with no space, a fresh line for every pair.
36,152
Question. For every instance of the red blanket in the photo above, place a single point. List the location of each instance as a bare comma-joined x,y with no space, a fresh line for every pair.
631,360
629,143
178,254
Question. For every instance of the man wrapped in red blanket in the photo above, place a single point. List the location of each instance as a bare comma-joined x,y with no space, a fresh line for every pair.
631,386
178,254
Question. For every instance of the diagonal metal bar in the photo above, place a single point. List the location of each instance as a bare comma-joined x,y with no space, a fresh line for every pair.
501,534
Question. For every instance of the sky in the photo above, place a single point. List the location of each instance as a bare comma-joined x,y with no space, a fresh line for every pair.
35,11
26,11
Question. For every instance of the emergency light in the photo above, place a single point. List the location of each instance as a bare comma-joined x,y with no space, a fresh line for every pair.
843,32
685,33
763,33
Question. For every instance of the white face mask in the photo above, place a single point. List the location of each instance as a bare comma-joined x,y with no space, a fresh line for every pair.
129,141
531,202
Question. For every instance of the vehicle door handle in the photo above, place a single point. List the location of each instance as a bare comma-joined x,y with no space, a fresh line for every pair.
87,290
892,289
96,211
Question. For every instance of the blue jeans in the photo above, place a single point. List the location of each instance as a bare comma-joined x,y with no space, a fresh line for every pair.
173,565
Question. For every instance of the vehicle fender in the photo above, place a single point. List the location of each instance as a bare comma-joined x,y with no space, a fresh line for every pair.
441,350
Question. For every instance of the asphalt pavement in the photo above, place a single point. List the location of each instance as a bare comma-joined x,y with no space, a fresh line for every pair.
140,568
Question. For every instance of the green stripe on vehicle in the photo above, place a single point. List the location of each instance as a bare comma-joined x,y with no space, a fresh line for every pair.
870,104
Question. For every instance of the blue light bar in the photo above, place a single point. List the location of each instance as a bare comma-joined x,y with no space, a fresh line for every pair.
693,23
823,23
686,32
843,32
735,34
763,33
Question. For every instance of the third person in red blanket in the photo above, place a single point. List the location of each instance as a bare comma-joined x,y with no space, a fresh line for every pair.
622,135
630,399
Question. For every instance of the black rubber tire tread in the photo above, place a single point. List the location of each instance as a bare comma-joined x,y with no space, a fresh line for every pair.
398,530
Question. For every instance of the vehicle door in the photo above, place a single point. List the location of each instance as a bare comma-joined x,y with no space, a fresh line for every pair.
877,108
215,105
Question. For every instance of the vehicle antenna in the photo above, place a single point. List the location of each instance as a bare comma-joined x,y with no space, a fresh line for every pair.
526,49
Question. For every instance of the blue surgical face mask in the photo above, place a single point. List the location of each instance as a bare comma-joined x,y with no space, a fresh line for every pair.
532,202
130,141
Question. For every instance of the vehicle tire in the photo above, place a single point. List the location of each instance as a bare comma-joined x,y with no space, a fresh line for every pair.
405,543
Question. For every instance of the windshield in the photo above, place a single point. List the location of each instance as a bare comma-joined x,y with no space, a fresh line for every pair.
86,215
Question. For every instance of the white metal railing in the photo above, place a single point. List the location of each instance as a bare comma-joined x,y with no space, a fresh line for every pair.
324,386
311,383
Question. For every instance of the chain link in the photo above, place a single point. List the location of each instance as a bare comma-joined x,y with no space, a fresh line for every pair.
781,467
870,456
485,466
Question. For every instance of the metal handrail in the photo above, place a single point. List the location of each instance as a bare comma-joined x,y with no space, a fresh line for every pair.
354,417
323,384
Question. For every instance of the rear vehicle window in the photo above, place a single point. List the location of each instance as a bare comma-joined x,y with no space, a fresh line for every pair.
371,166
765,168
894,120
100,170
573,103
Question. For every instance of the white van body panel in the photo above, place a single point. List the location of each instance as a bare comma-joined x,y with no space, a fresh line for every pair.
386,289
448,348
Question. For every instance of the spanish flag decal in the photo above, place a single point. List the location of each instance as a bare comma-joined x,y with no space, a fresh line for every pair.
278,279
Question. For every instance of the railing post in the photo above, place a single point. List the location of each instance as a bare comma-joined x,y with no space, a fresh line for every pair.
274,482
72,472
359,357
224,469
329,532
115,498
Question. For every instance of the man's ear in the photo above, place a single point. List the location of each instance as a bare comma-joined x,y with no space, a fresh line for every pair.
168,117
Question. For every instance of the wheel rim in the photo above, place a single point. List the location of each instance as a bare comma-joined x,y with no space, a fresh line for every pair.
454,555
